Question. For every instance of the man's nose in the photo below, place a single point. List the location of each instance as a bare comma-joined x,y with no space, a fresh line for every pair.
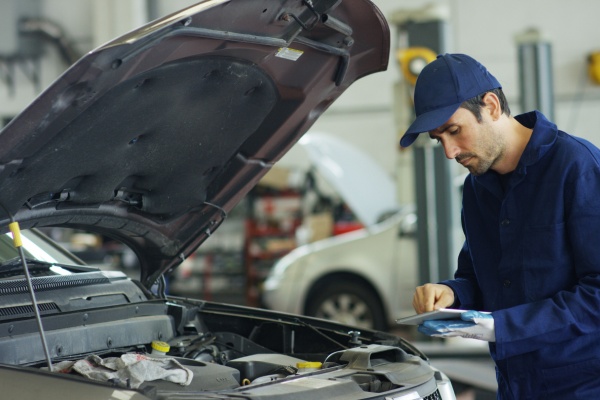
451,150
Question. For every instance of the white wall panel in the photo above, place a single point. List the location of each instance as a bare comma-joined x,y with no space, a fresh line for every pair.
487,30
484,29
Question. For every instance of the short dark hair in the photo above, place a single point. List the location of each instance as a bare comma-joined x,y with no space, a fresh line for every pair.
474,104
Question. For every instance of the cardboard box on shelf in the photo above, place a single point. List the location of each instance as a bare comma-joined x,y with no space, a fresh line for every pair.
276,178
319,226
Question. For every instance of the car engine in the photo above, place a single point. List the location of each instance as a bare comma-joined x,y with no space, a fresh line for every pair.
227,351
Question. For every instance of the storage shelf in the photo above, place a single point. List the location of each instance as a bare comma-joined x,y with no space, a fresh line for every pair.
271,222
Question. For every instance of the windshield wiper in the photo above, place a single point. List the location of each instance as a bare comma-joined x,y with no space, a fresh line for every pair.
16,263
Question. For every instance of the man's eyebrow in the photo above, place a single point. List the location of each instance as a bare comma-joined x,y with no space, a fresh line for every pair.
440,130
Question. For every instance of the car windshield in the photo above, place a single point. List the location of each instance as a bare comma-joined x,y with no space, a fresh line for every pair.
37,248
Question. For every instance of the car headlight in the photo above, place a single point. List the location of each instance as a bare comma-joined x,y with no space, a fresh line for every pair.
272,283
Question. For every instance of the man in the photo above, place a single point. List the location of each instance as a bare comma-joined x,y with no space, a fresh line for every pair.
531,219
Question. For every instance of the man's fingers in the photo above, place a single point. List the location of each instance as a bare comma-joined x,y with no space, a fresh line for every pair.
421,300
445,299
432,296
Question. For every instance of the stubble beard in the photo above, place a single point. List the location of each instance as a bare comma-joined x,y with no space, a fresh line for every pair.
481,165
491,147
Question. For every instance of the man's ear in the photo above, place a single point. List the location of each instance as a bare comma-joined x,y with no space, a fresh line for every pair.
492,105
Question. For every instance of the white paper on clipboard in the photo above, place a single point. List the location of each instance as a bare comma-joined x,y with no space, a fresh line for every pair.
442,313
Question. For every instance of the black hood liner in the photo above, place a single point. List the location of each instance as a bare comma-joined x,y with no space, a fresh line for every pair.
166,117
153,138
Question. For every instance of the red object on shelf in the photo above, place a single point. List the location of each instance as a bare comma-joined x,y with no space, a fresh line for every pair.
345,227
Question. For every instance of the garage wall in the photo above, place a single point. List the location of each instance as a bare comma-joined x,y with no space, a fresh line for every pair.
485,30
365,113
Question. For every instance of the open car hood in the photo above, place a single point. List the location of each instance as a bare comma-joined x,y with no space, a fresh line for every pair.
154,137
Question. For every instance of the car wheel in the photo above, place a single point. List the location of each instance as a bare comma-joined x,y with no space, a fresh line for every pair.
349,303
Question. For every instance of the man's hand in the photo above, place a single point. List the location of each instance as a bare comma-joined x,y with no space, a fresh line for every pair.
472,325
432,296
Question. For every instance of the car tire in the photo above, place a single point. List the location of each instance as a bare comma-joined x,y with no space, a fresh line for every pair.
349,303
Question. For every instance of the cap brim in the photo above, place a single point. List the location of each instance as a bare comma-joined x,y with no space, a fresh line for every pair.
427,122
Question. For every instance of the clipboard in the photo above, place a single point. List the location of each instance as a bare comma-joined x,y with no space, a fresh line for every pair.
442,313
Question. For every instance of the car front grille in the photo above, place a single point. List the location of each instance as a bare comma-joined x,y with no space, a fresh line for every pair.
433,396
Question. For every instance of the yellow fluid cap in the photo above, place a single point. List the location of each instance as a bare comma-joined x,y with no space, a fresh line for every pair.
160,346
309,364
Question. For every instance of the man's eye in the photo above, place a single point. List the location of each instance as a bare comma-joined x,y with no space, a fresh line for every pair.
454,132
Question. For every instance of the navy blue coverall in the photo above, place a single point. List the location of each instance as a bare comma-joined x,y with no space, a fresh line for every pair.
532,257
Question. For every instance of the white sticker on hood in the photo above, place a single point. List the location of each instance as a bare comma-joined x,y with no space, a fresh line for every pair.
289,54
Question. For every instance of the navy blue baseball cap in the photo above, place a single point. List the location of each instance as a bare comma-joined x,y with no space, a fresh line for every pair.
442,86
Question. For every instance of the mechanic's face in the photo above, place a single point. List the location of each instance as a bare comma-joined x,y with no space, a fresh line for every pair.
475,145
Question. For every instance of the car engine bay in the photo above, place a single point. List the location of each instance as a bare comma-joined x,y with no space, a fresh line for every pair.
227,350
